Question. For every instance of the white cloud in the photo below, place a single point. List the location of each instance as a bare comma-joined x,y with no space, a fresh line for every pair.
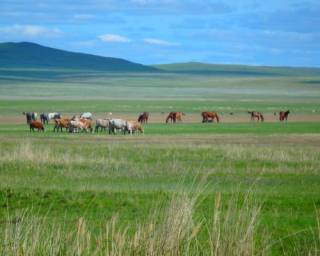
114,38
159,42
30,31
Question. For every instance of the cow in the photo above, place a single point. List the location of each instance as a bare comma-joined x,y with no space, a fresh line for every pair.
36,125
103,124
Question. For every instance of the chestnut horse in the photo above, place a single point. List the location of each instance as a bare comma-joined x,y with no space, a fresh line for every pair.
209,117
256,115
283,115
143,118
35,124
175,117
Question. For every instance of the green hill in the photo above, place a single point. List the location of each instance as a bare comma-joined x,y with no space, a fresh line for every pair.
237,70
30,55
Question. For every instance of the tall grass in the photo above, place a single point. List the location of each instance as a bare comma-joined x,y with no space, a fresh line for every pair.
232,230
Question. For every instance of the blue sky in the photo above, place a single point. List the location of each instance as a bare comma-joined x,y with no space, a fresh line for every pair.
278,33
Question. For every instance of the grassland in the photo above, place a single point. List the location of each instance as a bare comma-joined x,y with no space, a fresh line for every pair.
233,188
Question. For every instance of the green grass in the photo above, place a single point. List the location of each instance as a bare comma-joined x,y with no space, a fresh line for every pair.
50,182
95,178
22,130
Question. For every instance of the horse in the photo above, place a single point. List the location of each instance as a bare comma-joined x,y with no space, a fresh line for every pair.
209,117
81,124
256,115
61,123
86,115
143,118
36,125
117,124
44,118
103,124
134,126
174,117
30,116
283,115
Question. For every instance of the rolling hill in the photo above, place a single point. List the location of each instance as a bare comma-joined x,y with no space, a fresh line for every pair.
17,59
236,70
30,55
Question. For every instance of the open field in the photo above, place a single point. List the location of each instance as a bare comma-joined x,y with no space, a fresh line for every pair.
233,188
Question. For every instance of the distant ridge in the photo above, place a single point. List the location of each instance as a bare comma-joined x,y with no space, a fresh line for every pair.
31,55
237,70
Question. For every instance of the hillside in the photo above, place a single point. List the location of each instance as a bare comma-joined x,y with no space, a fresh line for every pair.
237,70
31,55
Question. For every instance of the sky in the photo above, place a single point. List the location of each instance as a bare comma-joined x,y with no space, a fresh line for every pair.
253,32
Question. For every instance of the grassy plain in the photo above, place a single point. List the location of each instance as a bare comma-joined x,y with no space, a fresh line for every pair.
221,189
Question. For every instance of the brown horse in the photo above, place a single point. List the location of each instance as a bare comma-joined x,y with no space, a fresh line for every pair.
36,125
61,123
143,118
209,117
256,115
283,115
175,117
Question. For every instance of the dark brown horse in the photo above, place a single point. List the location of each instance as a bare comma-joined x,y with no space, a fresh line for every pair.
175,117
256,115
209,117
283,115
143,118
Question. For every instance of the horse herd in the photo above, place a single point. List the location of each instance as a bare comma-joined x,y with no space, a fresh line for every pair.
84,123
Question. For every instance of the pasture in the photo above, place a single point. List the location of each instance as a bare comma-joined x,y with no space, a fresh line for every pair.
237,187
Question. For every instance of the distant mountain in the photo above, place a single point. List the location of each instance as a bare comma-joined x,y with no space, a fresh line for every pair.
31,55
237,70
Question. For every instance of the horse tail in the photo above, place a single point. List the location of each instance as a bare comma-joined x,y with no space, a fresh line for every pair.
262,117
217,117
168,117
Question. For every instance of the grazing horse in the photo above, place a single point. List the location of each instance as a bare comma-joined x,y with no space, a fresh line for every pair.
103,124
86,115
134,126
36,125
61,123
117,124
283,115
174,117
209,117
30,116
143,118
256,115
81,124
44,118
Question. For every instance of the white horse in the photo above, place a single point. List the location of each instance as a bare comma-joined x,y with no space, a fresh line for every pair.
86,115
117,124
54,115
